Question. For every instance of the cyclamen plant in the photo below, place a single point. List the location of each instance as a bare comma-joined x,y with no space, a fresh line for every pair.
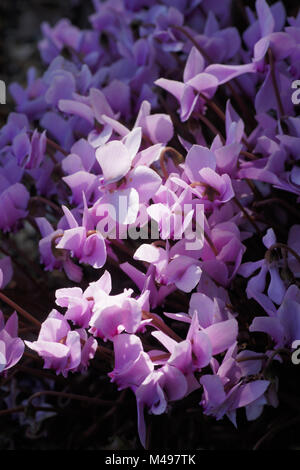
158,107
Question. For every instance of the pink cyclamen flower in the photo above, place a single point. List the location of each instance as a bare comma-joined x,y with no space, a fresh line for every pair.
182,271
86,245
256,285
60,347
195,82
226,389
6,271
153,388
206,184
79,304
284,327
113,314
11,346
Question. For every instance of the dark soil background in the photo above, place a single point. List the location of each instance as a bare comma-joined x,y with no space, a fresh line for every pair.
70,424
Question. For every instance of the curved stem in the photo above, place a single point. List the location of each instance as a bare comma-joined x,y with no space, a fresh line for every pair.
47,202
105,352
162,159
212,127
277,200
249,155
158,323
274,81
211,244
20,310
214,107
190,37
121,246
42,374
57,147
9,411
20,267
71,396
248,216
251,358
220,113
276,430
228,85
272,356
281,245
242,105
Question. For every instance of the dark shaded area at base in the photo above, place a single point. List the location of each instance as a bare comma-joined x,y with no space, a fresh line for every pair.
86,426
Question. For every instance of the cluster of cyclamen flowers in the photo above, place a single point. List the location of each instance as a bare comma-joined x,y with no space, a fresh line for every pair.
121,112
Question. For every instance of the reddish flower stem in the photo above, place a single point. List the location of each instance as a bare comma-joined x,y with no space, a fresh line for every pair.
274,81
249,155
162,159
281,245
57,147
193,41
248,216
277,200
212,127
72,396
158,323
20,310
9,411
47,202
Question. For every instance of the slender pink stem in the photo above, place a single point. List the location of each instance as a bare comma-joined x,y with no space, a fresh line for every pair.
161,325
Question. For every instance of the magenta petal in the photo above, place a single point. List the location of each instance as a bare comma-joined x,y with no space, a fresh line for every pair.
141,423
114,159
225,73
222,335
202,349
205,308
213,390
158,127
173,383
251,391
78,109
6,271
276,289
104,283
94,251
132,142
258,282
15,352
204,83
73,240
188,102
194,64
181,356
172,86
269,239
99,104
12,325
189,279
197,158
265,17
73,271
270,326
127,348
145,180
